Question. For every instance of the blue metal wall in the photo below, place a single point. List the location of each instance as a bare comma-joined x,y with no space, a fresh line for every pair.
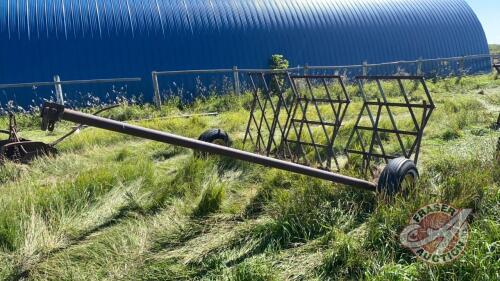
81,39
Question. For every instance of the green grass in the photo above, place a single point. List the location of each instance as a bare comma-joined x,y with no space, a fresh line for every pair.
113,207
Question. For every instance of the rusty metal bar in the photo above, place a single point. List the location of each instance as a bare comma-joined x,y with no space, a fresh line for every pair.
319,122
397,104
388,131
372,142
420,135
308,143
53,112
366,154
80,127
323,100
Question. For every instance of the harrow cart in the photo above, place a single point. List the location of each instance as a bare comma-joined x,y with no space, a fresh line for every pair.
280,118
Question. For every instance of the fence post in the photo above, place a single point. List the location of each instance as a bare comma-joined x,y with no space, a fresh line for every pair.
365,68
59,91
306,69
236,80
156,89
399,70
419,66
462,66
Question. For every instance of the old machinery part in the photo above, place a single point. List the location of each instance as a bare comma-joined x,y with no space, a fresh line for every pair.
21,150
51,113
24,151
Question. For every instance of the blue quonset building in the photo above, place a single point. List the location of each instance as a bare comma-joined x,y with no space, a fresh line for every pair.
87,39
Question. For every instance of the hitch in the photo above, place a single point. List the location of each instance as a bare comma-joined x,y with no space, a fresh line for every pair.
396,174
50,114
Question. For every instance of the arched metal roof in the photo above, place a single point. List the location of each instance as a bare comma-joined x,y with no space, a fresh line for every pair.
81,39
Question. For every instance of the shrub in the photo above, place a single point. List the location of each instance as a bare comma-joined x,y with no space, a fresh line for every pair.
277,62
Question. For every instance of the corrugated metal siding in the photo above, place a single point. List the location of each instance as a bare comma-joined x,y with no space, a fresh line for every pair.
81,39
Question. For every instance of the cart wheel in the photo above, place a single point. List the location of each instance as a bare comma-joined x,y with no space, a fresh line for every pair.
215,136
399,176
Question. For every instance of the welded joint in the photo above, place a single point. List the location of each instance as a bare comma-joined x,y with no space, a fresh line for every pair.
51,113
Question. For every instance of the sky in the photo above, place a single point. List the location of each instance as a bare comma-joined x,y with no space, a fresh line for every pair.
488,12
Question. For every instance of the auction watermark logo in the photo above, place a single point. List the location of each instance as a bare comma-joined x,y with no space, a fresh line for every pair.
437,233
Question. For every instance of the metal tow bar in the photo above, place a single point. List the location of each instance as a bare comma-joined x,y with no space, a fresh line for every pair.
51,113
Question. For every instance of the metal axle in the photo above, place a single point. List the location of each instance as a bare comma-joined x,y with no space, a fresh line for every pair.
52,113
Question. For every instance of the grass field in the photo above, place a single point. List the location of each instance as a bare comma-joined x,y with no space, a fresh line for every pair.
113,207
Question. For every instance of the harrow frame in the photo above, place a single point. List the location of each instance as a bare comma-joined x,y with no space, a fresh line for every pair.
283,123
368,151
273,133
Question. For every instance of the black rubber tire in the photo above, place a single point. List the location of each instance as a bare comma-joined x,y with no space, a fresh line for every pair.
216,136
394,174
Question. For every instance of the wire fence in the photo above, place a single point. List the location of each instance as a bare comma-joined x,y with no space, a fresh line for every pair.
190,84
429,68
62,97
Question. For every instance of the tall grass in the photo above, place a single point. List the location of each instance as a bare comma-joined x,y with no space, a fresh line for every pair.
111,207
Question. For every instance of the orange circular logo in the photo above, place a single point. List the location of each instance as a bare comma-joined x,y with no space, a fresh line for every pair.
437,233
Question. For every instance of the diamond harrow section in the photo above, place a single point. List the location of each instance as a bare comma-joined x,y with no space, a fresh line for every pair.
299,117
318,113
377,129
272,103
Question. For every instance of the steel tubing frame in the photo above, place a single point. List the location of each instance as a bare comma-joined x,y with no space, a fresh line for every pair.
52,113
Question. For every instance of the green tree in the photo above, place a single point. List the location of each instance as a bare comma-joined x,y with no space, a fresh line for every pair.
277,81
278,62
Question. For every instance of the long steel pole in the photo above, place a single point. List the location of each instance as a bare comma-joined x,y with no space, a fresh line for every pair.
124,128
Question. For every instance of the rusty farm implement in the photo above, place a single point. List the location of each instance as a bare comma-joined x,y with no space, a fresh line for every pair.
279,120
